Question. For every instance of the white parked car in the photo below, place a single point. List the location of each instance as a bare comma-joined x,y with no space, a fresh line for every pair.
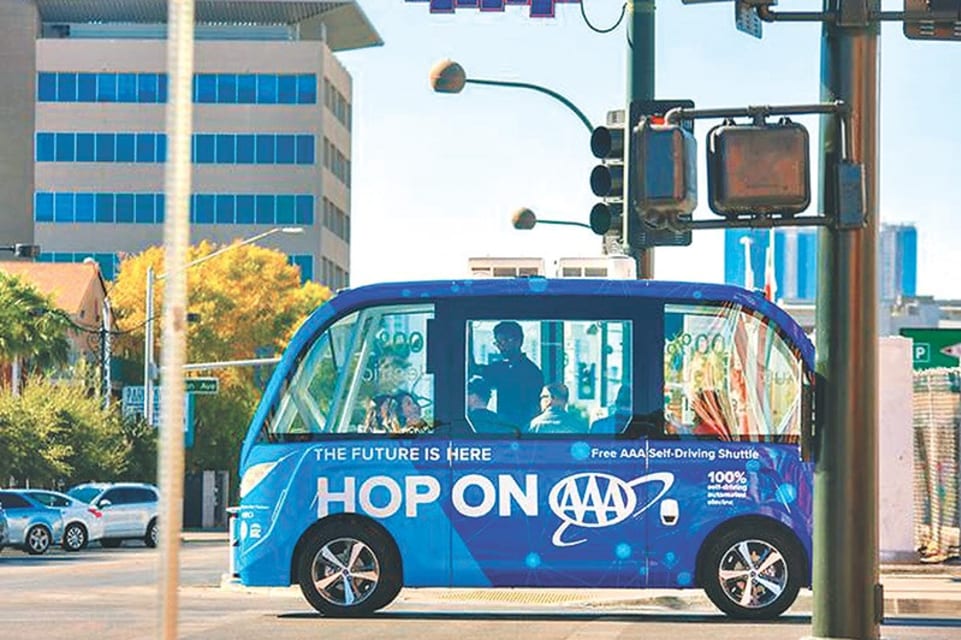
82,522
129,510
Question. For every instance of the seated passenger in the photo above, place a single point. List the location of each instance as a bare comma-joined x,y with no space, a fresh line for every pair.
409,413
616,421
381,415
554,417
482,419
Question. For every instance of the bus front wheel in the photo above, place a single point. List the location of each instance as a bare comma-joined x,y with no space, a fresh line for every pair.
753,573
348,570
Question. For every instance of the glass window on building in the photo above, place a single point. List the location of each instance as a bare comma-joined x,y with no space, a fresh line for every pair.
87,87
86,147
105,147
83,207
267,89
266,148
47,87
127,87
226,148
126,147
245,149
45,147
225,208
124,207
66,87
206,88
306,89
43,207
265,209
65,147
106,87
245,209
305,210
287,89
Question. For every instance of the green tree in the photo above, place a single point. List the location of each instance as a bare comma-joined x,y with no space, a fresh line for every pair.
32,329
247,299
58,433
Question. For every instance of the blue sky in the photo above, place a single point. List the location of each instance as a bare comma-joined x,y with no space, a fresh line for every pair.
436,177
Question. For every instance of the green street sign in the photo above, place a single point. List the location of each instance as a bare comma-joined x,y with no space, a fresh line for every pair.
935,347
209,386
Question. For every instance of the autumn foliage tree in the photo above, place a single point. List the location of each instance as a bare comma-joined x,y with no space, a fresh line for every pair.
248,300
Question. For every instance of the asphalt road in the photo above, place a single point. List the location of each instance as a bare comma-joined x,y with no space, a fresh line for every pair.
111,594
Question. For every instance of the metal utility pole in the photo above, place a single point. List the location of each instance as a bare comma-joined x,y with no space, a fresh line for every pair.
640,86
848,600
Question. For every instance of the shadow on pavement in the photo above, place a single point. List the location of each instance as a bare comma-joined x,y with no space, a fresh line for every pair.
559,616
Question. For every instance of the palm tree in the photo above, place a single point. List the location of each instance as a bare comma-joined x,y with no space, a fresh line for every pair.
32,330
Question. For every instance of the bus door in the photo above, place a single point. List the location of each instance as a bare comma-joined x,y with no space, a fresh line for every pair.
544,457
732,410
383,455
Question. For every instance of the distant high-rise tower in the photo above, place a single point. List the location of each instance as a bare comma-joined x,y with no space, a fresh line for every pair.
897,261
796,259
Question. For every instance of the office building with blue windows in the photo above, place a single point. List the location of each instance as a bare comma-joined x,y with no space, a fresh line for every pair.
84,136
796,259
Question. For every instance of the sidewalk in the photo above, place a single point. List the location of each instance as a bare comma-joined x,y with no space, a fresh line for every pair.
909,589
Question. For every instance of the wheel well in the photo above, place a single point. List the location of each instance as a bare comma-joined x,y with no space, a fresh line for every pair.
350,519
79,523
749,522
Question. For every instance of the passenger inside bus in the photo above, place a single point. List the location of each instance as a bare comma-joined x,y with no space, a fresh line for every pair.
516,378
397,413
617,420
482,419
554,417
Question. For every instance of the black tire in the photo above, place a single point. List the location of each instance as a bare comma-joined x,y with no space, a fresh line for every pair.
38,540
74,537
151,537
325,574
753,572
110,543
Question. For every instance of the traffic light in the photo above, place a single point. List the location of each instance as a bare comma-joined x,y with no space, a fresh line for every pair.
607,181
662,174
942,19
586,376
758,168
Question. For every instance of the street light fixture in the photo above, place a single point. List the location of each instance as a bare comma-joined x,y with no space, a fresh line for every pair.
149,368
524,219
447,76
21,250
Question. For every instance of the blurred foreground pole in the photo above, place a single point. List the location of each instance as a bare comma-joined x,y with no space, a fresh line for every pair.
180,71
640,86
847,597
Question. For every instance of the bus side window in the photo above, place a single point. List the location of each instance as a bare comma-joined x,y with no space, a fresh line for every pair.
729,375
389,389
548,376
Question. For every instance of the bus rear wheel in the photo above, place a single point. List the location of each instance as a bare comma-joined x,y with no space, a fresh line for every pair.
348,570
753,573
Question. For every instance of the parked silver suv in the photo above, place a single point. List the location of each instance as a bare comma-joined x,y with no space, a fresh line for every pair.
129,510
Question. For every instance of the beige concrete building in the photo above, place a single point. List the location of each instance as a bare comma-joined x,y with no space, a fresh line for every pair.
83,126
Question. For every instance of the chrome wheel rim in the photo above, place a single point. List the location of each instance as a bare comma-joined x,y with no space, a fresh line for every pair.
39,539
154,534
75,537
753,574
345,572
